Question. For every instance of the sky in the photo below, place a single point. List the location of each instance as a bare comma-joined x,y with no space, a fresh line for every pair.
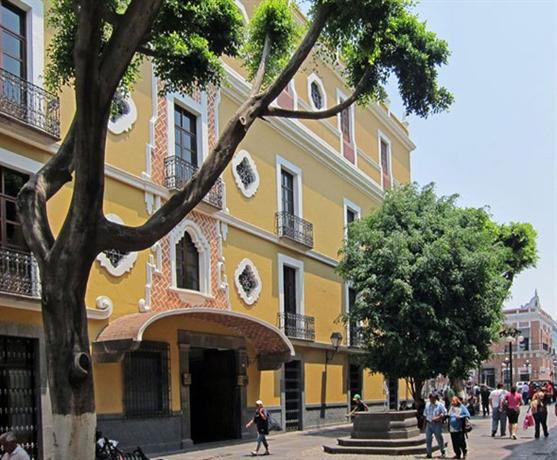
497,146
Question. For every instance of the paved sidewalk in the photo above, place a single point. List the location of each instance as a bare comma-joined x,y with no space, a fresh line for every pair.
308,445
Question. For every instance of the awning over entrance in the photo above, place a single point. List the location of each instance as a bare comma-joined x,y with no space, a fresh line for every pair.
126,333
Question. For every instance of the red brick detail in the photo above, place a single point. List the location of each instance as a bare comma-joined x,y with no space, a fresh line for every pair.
265,338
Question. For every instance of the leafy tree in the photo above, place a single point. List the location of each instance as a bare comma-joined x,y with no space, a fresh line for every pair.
98,46
431,279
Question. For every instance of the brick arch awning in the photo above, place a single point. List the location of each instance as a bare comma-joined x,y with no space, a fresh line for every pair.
126,333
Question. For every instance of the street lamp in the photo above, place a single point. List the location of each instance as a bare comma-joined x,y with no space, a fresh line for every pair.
511,335
336,340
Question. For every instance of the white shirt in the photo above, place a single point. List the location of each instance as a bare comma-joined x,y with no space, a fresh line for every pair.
18,454
496,396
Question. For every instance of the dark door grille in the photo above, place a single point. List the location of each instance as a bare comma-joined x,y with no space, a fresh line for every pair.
293,395
18,395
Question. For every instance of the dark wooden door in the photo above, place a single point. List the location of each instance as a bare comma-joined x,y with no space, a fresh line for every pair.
293,395
355,380
18,391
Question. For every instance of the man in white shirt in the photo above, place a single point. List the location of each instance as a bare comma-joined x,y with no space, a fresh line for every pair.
498,415
434,414
13,451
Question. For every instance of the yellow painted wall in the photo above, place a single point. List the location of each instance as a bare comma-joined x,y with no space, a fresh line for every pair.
373,386
324,384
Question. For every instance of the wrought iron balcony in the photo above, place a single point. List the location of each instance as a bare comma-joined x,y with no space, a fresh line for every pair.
19,273
355,335
177,172
297,326
29,104
294,228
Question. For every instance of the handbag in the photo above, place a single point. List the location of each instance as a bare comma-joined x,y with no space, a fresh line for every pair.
466,425
528,421
273,424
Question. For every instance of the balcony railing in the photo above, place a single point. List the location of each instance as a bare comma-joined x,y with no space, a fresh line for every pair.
29,104
297,326
177,172
19,273
294,228
355,335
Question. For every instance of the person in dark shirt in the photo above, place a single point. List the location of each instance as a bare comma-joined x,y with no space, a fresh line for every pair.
484,395
261,420
359,405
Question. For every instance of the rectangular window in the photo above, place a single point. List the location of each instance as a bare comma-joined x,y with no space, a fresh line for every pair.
351,216
12,39
185,136
287,192
345,124
385,164
11,234
353,325
289,279
146,380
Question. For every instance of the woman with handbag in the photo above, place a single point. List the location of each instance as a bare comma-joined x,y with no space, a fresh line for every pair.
261,420
458,415
539,411
512,403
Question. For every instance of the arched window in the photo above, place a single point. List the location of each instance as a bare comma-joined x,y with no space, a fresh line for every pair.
187,264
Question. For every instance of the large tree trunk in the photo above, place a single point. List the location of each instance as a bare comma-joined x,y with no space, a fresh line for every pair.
70,374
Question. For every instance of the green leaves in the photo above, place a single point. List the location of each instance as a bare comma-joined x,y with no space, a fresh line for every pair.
431,279
275,19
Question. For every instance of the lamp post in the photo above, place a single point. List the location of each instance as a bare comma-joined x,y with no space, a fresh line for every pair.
336,340
511,335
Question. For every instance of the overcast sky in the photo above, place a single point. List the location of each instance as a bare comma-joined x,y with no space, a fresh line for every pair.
496,146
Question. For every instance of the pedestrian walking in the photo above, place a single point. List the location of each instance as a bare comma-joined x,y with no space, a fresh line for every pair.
13,451
261,420
434,414
512,402
484,395
538,407
498,415
457,415
525,393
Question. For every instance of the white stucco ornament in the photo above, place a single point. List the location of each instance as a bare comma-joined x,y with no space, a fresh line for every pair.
248,282
125,117
245,173
116,262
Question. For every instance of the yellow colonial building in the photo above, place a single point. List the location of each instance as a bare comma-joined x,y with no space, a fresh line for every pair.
241,300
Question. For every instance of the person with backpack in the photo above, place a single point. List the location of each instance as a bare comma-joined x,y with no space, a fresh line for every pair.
261,420
511,403
459,418
538,407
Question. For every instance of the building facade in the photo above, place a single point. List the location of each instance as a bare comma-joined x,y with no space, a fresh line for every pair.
533,353
240,301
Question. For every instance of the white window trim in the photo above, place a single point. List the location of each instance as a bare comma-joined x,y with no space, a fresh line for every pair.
236,160
354,208
34,31
282,164
342,97
204,250
254,296
242,10
199,110
382,137
313,78
299,266
292,86
19,162
126,263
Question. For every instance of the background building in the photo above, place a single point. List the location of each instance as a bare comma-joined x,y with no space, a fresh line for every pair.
533,357
241,300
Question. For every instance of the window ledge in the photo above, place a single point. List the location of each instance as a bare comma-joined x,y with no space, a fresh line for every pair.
190,296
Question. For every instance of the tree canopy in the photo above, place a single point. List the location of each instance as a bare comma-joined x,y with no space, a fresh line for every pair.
431,279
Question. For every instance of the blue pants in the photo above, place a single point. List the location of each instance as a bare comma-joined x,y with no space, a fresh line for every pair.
498,417
261,439
434,429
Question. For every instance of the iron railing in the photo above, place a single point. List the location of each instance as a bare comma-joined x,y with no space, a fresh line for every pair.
19,273
29,104
295,228
297,326
356,338
177,172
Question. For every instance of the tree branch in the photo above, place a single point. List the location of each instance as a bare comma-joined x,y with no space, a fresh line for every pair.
320,114
32,198
260,75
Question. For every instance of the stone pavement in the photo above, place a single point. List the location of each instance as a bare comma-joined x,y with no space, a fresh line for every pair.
308,445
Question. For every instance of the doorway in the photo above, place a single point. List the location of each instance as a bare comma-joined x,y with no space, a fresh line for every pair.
215,407
293,395
355,382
